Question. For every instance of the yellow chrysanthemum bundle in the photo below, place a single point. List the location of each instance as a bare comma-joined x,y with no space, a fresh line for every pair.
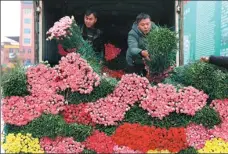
16,143
215,145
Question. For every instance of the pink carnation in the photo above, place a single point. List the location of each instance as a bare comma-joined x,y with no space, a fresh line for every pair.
197,135
19,110
221,106
41,79
107,111
221,130
61,145
75,73
190,100
61,28
160,101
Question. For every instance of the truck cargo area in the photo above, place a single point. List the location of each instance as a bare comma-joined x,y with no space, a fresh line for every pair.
115,18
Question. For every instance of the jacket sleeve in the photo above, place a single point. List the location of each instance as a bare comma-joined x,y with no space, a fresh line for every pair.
133,44
221,61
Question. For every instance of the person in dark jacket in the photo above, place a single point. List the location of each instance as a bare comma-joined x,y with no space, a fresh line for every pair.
92,34
221,61
137,51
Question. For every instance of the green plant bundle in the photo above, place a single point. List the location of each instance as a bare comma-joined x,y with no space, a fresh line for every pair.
52,126
14,82
162,45
211,79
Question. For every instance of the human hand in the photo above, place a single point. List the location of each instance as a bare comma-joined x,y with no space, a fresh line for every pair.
204,59
145,53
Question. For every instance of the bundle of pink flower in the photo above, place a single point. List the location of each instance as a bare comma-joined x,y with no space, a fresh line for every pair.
16,110
190,100
221,106
163,99
21,110
61,145
197,135
111,109
72,72
131,88
41,79
221,131
61,28
75,73
160,100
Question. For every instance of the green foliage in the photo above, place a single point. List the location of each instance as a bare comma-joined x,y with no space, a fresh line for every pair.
137,115
86,151
106,87
189,150
208,117
14,82
211,79
109,130
52,126
162,45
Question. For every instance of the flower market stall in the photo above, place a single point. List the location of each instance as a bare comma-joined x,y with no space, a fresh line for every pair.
74,108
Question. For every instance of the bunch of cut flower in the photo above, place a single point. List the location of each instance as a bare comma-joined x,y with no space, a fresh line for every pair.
20,143
164,99
111,52
68,34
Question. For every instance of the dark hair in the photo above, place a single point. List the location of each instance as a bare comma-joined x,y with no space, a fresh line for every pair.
89,12
142,16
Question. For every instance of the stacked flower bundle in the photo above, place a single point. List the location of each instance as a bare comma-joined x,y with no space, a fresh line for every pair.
84,127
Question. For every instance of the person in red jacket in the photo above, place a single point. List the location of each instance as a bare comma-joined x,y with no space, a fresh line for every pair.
221,61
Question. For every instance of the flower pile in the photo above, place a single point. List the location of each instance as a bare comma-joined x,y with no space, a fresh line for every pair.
75,73
144,138
111,52
61,28
63,52
19,143
124,149
77,114
160,101
109,110
191,100
197,135
215,145
61,145
99,142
